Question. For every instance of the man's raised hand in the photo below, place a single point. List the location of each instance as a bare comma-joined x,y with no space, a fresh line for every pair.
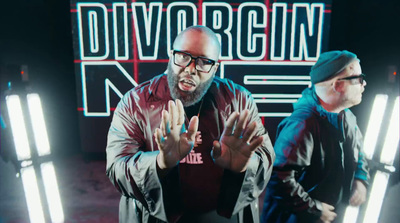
173,141
237,143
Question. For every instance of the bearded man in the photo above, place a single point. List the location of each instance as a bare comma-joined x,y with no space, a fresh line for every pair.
187,146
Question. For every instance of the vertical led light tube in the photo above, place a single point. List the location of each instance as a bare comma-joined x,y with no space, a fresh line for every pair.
374,124
381,179
32,195
18,127
377,193
392,136
370,139
38,124
52,192
351,214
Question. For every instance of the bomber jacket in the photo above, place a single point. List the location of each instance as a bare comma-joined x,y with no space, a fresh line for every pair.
318,155
131,158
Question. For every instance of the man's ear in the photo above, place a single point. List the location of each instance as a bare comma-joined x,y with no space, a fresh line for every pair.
216,66
338,86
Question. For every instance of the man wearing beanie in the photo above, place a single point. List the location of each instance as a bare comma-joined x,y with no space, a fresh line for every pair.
320,167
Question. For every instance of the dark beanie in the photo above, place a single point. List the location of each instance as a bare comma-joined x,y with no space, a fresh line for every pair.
329,64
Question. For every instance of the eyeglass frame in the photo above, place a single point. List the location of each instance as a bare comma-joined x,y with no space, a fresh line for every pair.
195,60
361,78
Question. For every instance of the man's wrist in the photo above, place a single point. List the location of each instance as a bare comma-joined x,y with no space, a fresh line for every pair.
162,169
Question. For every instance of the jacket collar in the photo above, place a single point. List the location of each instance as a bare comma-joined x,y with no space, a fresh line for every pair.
309,100
159,89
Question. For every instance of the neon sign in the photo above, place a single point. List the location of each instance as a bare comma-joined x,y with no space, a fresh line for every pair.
267,46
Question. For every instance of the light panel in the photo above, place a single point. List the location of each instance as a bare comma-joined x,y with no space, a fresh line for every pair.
18,127
351,214
375,200
392,136
52,192
38,124
374,124
32,195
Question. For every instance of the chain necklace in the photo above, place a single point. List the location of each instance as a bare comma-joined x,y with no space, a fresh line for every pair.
198,113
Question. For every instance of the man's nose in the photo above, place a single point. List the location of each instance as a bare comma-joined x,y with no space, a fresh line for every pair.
364,83
191,68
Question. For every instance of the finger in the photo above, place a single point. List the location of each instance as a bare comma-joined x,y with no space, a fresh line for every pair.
241,124
230,123
249,132
192,129
183,129
160,140
173,114
353,200
256,143
181,112
356,200
165,124
216,150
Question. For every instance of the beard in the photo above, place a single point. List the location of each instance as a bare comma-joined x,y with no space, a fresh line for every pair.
187,98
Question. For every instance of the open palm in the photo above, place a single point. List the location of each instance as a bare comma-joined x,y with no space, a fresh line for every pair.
173,141
236,145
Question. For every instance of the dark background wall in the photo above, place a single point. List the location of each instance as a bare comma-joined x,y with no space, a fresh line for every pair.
38,34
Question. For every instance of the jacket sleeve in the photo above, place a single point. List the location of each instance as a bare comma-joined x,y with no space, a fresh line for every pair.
240,190
131,168
362,170
294,147
353,133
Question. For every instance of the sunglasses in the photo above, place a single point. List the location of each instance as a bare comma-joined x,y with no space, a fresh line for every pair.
183,59
359,79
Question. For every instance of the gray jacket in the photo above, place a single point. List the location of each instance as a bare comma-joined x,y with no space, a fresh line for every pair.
132,151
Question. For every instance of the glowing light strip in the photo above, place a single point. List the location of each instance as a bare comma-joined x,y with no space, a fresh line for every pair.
277,101
117,32
378,190
392,136
381,179
79,7
278,82
273,30
18,127
108,85
301,31
370,139
277,77
263,63
169,25
374,124
52,192
38,124
276,95
274,114
32,195
93,32
351,214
